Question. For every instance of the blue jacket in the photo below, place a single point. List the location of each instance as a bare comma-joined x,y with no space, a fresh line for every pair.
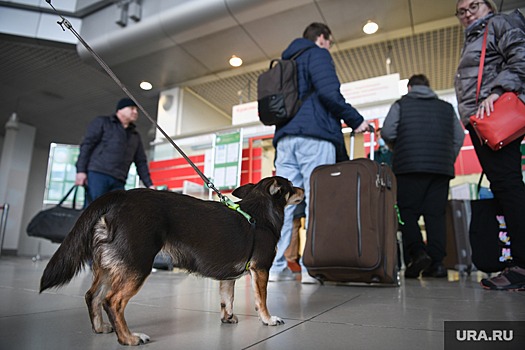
321,112
110,149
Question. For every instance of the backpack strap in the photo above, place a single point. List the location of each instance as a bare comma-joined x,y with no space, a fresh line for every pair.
297,54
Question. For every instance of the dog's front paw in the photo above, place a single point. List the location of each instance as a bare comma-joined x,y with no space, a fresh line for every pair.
274,321
134,339
230,319
142,338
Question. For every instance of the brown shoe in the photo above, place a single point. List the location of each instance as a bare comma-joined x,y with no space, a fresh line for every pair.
512,278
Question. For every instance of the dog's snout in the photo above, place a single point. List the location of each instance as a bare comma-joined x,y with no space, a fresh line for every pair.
297,197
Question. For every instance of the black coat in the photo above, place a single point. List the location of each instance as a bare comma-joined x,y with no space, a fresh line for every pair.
504,68
110,149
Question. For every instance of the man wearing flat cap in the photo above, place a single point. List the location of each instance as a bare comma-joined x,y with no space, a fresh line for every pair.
110,145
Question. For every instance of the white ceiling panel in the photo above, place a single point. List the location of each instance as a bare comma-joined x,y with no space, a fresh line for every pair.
59,91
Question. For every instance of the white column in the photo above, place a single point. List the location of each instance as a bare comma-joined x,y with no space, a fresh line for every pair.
15,165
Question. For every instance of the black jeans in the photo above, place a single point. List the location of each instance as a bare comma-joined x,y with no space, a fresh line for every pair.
503,170
426,195
99,184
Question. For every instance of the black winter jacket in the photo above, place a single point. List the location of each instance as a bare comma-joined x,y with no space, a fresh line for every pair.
425,132
425,141
321,113
110,149
504,68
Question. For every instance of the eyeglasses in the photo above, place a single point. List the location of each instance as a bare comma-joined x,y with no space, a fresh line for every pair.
472,8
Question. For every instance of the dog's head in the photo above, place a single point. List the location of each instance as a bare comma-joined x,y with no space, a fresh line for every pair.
265,201
278,188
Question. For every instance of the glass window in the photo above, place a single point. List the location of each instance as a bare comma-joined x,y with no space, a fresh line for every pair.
61,172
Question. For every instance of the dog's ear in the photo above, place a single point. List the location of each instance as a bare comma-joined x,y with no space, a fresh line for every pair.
243,191
274,187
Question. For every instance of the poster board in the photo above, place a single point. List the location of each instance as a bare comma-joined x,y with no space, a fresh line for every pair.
227,160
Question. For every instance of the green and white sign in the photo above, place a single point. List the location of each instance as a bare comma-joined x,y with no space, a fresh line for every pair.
227,160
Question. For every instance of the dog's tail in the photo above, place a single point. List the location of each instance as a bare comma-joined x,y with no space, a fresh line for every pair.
76,249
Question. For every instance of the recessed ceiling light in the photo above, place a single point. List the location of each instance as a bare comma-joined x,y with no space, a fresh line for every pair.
146,85
235,61
370,27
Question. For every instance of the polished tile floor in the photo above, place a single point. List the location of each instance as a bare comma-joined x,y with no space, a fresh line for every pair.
180,311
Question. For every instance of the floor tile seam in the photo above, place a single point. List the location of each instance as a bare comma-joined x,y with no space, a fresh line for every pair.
217,312
179,308
374,326
141,299
29,314
300,322
56,292
276,334
195,310
25,289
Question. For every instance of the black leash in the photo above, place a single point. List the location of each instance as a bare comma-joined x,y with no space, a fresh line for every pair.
228,202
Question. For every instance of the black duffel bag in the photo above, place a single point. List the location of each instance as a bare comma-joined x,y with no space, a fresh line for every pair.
56,222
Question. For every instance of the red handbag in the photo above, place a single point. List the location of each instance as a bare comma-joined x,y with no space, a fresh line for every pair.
507,122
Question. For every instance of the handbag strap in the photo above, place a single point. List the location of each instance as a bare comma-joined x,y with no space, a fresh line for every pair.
480,180
482,61
67,195
75,187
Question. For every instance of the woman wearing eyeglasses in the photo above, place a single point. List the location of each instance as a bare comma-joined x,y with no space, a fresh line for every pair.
504,70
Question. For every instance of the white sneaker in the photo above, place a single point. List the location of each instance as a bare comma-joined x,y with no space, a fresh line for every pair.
307,279
285,275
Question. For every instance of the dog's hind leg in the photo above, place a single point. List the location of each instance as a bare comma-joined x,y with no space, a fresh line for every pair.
227,288
123,288
94,297
259,284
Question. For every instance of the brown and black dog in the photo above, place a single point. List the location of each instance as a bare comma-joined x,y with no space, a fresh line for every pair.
122,231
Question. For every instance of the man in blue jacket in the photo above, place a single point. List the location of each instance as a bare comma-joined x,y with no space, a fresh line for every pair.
109,147
313,136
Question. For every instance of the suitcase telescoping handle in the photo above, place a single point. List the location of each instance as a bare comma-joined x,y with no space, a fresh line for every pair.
372,141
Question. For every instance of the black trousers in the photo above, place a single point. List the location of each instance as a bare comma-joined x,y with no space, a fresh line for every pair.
420,194
503,170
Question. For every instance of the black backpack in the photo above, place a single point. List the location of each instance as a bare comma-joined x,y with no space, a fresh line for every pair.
277,91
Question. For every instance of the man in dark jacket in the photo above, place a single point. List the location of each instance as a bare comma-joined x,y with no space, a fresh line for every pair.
109,147
313,136
427,137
